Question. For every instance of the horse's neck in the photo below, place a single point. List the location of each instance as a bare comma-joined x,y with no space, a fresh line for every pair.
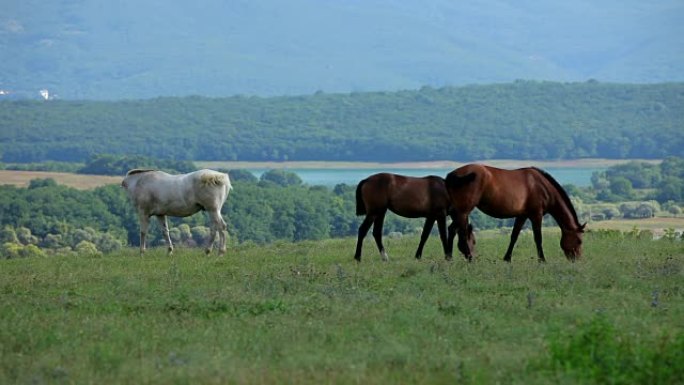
561,212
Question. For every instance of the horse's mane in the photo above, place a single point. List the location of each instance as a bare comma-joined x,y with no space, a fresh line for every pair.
562,193
139,170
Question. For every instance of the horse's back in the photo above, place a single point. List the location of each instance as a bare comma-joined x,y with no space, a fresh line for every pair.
158,193
404,195
497,192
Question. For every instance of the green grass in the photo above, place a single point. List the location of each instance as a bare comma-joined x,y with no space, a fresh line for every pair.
307,313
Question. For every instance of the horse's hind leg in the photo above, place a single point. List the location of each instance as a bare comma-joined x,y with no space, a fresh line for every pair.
363,230
517,226
450,237
441,226
215,227
165,231
427,227
222,235
377,234
463,233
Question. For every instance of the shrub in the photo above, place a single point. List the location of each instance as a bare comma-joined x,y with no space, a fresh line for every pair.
597,353
87,248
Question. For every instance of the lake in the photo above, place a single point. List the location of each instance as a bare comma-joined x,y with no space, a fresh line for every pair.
579,176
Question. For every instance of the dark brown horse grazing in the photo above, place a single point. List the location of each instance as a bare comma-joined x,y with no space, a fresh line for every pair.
408,197
526,193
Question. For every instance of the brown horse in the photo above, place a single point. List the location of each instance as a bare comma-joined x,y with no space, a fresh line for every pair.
526,193
408,197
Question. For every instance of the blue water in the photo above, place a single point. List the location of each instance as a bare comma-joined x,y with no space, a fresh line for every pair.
580,176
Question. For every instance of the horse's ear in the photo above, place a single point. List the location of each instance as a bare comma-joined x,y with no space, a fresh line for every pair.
581,228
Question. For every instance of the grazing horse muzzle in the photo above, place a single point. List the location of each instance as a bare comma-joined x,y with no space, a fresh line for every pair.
574,254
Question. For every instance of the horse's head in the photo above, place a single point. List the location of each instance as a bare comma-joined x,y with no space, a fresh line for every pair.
470,238
571,242
466,242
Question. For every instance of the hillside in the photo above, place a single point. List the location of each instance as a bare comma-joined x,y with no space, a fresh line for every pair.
520,120
132,49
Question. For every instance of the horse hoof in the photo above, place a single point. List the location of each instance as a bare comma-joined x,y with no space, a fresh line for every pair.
448,258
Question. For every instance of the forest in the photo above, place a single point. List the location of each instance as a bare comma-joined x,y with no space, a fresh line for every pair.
520,120
51,218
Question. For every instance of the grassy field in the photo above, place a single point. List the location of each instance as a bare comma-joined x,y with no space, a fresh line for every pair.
307,313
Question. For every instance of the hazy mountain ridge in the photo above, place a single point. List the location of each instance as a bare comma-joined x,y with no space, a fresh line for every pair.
130,49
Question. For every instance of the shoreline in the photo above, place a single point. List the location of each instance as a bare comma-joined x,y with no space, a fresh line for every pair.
503,163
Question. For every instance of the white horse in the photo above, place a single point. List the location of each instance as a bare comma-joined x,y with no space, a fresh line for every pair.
160,194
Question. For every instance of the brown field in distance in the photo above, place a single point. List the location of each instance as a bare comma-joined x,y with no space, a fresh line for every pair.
655,224
79,181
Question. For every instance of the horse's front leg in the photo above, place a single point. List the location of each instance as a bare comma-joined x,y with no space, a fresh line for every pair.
165,231
427,228
537,231
462,225
144,226
517,226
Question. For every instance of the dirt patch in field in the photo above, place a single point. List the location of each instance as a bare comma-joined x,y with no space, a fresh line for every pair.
79,181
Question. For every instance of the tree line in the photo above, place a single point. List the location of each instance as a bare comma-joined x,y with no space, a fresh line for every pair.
49,218
520,120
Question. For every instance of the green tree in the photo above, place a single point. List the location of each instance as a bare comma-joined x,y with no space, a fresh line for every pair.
281,178
86,248
622,187
7,234
25,237
670,189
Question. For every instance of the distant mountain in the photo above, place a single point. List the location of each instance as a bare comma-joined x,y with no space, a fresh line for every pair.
130,49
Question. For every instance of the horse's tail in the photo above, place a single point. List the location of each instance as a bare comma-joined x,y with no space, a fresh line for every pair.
360,206
215,179
228,185
455,181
